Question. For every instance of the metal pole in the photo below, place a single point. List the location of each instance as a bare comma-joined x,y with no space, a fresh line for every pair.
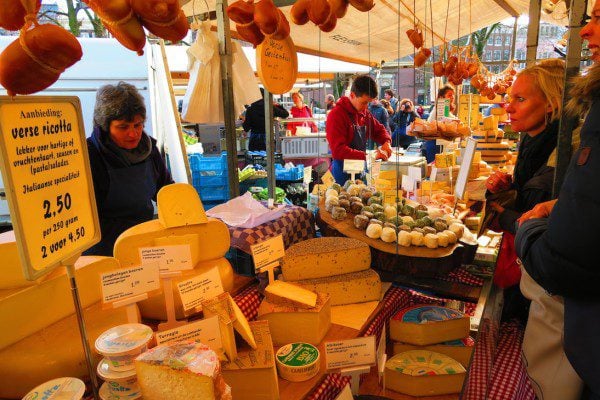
533,30
567,124
513,44
270,142
225,52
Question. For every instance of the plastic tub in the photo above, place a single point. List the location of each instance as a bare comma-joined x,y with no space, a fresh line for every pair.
121,344
119,384
58,389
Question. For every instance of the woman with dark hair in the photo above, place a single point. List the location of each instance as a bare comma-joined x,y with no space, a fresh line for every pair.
127,168
403,117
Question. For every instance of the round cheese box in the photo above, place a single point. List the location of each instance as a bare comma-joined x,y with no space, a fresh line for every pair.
297,362
63,388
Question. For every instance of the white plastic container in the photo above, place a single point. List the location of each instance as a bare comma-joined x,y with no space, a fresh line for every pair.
121,385
122,344
58,389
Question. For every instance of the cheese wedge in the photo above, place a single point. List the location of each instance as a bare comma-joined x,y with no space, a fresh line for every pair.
240,324
207,241
253,375
179,205
424,373
460,350
280,292
154,307
53,351
428,324
297,324
24,311
355,287
326,256
221,307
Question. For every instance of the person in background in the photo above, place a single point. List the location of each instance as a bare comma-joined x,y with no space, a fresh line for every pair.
255,122
390,96
350,125
420,110
380,113
557,239
446,92
300,110
386,104
329,103
401,119
127,168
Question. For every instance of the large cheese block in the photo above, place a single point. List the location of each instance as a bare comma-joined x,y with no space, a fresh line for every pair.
445,160
181,370
179,205
154,307
296,324
493,149
11,271
428,324
424,373
53,351
207,241
280,292
460,350
327,256
355,287
26,310
253,375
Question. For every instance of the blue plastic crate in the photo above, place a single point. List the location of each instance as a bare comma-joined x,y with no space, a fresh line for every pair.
289,174
199,162
217,179
212,193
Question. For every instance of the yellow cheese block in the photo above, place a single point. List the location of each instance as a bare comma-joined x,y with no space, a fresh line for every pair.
54,351
355,287
207,241
424,373
460,350
326,256
179,205
221,307
11,271
428,324
434,185
490,122
295,324
154,307
253,375
445,160
280,292
27,310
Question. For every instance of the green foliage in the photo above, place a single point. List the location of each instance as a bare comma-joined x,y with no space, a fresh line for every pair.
74,7
480,38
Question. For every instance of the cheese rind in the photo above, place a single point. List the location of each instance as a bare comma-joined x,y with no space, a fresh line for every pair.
295,324
355,287
327,256
280,292
427,324
424,373
179,205
460,350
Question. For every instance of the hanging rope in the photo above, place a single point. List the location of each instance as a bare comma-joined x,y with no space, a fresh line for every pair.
369,39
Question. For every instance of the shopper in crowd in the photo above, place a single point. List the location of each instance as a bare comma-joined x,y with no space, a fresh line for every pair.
300,110
401,119
127,168
380,113
390,96
350,125
329,103
556,240
255,122
446,92
386,104
420,110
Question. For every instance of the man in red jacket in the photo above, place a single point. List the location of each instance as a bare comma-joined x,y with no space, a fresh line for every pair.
350,125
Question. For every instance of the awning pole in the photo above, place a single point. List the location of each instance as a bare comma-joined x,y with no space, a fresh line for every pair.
270,142
533,31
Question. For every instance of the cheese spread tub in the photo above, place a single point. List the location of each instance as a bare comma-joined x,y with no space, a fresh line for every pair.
297,362
119,385
58,389
121,344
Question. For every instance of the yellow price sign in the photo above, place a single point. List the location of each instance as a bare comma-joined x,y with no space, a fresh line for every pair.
45,168
267,252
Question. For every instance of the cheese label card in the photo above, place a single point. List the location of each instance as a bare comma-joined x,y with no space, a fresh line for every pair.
375,169
350,353
328,179
354,165
129,282
170,258
415,173
465,166
267,252
307,175
206,331
345,394
381,350
199,288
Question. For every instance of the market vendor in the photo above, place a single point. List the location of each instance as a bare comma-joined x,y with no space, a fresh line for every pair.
127,168
300,110
446,92
254,122
350,125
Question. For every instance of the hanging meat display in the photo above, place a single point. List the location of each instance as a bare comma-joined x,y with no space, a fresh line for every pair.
12,14
255,21
163,18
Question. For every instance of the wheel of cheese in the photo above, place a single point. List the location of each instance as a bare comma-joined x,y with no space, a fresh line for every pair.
297,362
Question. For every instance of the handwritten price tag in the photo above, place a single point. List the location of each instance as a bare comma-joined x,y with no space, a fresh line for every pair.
206,331
267,252
169,258
129,282
354,165
202,287
350,353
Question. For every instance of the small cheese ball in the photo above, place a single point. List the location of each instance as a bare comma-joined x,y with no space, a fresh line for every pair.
451,236
404,238
416,238
388,234
443,239
431,240
374,231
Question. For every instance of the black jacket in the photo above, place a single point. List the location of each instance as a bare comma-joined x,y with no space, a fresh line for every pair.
255,116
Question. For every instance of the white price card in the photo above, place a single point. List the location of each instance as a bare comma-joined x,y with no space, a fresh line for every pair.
465,167
415,173
307,175
354,165
199,288
129,282
350,353
375,169
267,252
206,331
169,258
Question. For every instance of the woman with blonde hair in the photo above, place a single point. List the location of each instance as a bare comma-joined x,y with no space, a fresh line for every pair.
300,110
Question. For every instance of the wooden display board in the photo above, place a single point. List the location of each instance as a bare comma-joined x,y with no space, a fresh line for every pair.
277,64
46,173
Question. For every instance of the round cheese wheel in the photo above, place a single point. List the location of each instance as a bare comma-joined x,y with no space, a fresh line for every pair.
297,362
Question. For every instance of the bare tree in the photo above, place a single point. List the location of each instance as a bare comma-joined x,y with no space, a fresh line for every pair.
74,7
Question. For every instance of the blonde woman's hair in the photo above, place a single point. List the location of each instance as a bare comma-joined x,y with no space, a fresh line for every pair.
549,76
299,95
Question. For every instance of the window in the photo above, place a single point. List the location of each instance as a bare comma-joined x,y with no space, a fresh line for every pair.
506,55
497,55
498,40
488,55
507,41
490,41
520,54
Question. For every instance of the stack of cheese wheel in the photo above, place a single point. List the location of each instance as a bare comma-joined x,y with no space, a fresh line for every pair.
37,315
429,332
494,150
181,222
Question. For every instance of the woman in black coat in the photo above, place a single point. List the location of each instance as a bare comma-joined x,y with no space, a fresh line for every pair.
404,116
